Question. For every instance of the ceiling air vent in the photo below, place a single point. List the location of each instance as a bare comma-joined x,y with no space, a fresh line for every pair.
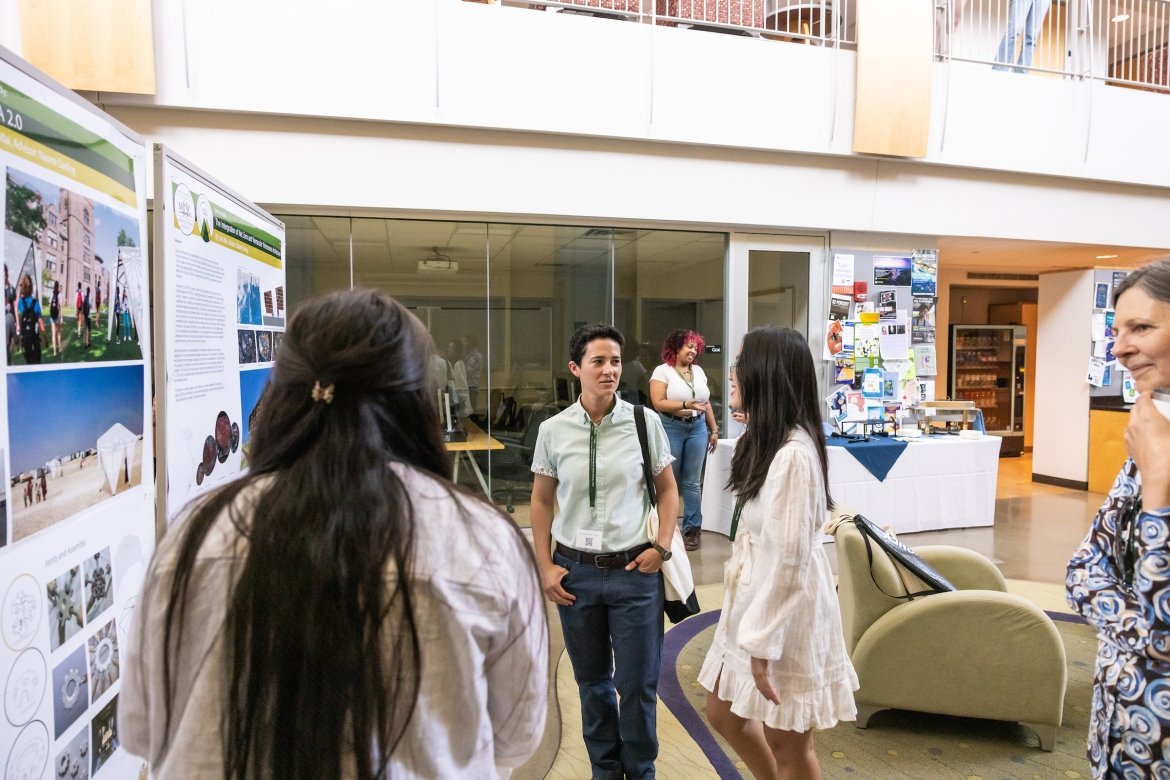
1004,277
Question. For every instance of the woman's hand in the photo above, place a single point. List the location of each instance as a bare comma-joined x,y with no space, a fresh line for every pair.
739,416
763,683
1147,436
712,440
698,406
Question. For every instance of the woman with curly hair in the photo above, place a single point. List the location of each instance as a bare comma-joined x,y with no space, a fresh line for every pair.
679,392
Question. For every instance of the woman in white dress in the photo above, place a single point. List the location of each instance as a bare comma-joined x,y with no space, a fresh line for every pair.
777,667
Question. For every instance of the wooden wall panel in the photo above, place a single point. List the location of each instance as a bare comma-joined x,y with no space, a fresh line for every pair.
894,70
1107,451
96,45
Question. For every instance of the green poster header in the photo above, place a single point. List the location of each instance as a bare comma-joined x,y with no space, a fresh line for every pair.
24,116
231,225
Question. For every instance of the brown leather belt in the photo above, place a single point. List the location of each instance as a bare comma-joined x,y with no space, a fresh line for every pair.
612,560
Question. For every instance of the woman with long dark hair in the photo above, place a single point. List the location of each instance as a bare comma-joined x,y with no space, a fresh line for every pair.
342,610
777,667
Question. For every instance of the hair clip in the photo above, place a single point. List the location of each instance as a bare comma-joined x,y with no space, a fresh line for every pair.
322,393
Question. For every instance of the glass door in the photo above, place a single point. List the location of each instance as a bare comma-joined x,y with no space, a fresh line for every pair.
776,280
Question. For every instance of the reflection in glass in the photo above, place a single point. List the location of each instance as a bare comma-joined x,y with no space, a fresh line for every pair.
501,301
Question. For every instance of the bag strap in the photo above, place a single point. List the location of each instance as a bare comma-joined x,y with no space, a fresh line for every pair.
907,596
640,424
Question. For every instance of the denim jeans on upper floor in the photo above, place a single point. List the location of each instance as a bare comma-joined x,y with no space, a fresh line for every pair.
613,635
1025,17
688,445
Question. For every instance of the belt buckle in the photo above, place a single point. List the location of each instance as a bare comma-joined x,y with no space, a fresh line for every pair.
607,560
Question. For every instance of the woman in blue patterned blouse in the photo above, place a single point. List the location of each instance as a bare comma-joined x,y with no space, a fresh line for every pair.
1119,579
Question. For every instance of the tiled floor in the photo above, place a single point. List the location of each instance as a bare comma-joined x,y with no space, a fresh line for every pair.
1036,529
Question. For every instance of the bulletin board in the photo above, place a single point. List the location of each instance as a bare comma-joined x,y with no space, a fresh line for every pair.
880,335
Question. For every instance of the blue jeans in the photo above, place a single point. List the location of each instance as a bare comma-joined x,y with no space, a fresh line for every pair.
613,635
688,445
1024,17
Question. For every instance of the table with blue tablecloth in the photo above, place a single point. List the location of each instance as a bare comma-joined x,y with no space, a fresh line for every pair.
933,483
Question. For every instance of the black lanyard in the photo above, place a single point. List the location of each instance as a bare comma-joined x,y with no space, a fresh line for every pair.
735,519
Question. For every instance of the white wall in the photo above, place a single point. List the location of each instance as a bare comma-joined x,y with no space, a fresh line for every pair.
462,64
1063,342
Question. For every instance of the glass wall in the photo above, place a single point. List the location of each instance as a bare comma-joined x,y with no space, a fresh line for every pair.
502,300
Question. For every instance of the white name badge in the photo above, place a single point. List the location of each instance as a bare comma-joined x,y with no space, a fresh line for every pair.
589,539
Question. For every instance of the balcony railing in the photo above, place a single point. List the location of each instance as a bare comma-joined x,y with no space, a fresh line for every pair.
817,22
1122,42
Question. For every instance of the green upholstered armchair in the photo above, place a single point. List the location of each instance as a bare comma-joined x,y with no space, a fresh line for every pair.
977,652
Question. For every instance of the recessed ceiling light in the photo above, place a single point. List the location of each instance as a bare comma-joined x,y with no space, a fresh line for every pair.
1106,257
1120,18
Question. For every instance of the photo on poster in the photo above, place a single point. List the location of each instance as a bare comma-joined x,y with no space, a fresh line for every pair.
921,335
839,307
1101,297
76,440
247,346
4,524
216,447
104,734
73,760
64,599
63,254
887,305
838,402
264,346
891,271
277,337
99,584
252,384
248,307
923,311
924,278
70,691
104,662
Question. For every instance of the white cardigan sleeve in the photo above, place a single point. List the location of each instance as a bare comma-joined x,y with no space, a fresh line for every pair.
783,552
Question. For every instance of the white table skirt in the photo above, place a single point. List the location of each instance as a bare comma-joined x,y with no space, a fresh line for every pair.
937,483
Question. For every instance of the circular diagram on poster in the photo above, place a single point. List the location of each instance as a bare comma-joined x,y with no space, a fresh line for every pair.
235,436
203,218
25,687
223,436
26,761
184,209
21,612
208,455
199,474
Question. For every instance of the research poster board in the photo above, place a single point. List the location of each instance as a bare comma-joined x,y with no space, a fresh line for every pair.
79,500
221,320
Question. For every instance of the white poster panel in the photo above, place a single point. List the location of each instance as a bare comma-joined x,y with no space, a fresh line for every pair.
221,317
79,503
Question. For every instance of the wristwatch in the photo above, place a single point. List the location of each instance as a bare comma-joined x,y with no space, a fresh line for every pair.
665,553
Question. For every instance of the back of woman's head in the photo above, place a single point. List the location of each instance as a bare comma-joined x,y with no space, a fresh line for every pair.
352,374
1153,279
777,383
320,643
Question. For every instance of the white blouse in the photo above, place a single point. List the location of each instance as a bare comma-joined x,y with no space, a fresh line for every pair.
679,389
481,625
